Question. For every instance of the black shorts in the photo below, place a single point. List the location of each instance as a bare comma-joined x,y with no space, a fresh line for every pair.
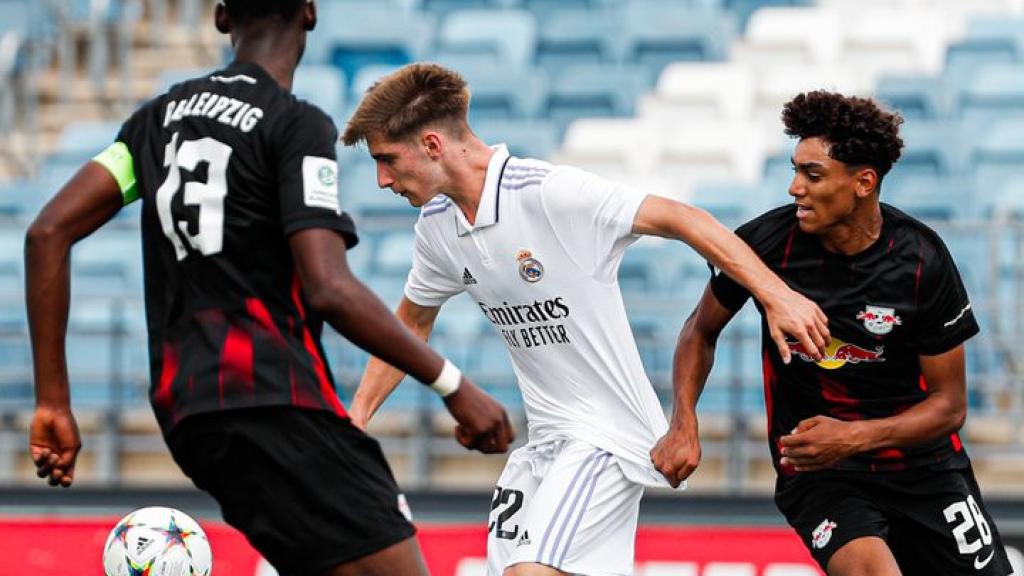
933,521
308,489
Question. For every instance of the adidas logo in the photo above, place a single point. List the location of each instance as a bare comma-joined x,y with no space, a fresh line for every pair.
142,544
524,540
467,278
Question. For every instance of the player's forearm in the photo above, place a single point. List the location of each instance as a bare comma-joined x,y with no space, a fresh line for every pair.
730,254
380,378
47,295
362,318
935,417
692,363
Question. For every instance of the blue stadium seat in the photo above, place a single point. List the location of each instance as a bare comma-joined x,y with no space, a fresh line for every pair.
525,138
499,92
572,37
351,38
80,141
595,90
505,39
932,148
928,197
994,92
324,86
915,97
657,33
988,40
998,155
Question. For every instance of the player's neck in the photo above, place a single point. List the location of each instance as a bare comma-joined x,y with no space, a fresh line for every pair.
276,52
857,233
467,176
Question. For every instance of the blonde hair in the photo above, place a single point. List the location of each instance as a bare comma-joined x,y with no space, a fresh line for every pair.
409,99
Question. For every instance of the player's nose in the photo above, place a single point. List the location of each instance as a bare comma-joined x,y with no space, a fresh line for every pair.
384,179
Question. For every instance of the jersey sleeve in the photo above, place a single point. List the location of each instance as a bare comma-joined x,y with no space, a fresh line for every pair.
307,172
119,160
946,319
593,218
727,291
428,284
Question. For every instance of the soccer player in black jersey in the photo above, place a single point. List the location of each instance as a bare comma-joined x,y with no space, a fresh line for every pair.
245,252
870,469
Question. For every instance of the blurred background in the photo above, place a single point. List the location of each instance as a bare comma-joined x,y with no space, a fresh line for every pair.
676,97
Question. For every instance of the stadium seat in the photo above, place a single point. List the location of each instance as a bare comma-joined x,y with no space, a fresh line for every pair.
988,41
993,93
504,39
615,148
932,148
582,36
711,151
525,138
701,91
895,39
366,77
657,33
916,97
324,86
593,90
80,141
791,35
998,155
368,36
928,197
500,92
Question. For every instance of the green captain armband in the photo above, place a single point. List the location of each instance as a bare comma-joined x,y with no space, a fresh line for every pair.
117,159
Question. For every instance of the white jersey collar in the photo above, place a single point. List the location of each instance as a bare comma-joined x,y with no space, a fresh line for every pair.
490,200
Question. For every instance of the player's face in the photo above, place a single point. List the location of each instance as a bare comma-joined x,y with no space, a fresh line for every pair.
405,168
824,189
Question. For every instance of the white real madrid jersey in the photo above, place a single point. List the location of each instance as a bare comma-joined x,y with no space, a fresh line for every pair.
541,262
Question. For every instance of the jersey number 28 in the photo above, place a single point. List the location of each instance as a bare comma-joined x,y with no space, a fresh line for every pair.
208,196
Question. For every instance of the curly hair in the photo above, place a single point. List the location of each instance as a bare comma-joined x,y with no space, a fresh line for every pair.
242,10
407,100
858,130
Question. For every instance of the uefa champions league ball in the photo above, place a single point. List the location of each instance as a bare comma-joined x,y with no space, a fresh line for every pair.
157,541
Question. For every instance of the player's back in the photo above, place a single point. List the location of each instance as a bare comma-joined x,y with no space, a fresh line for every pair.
227,166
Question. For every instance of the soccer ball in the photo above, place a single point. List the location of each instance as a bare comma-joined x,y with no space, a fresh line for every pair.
157,541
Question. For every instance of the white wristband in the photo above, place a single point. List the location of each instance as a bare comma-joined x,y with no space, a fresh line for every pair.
448,380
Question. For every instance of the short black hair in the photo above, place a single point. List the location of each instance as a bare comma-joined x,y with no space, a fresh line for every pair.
859,131
242,10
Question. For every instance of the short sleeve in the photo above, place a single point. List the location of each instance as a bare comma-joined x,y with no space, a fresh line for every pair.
946,319
307,172
428,284
592,217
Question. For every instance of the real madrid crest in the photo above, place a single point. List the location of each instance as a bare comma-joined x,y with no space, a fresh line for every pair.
530,269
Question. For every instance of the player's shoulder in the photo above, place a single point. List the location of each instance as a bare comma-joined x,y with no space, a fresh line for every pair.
522,174
913,234
770,229
432,210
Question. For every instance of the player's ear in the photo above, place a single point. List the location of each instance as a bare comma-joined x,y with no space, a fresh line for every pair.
434,145
309,16
221,19
867,182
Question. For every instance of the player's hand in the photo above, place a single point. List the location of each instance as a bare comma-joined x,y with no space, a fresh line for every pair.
482,422
677,454
820,442
793,314
54,444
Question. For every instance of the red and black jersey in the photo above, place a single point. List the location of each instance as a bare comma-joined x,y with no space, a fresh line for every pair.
900,298
228,165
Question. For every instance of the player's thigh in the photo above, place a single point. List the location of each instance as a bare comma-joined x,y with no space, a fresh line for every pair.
582,517
532,569
829,512
945,528
401,559
865,556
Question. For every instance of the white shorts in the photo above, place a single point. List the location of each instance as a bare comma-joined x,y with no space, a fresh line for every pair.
564,504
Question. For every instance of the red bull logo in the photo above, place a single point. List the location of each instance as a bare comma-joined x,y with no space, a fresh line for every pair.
838,353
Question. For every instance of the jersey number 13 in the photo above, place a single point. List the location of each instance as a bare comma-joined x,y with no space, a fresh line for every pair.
207,196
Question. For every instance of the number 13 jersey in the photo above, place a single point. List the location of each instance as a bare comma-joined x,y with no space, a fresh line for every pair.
227,166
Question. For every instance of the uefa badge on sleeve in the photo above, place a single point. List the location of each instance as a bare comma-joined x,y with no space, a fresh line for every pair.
530,269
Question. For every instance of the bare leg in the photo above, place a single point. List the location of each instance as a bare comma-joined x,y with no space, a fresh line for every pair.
867,556
402,559
532,569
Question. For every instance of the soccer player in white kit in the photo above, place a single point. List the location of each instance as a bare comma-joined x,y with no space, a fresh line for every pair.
538,248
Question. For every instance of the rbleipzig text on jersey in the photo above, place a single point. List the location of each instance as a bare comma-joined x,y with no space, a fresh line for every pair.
226,110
